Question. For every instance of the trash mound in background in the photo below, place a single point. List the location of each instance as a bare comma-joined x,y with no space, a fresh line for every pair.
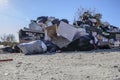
83,35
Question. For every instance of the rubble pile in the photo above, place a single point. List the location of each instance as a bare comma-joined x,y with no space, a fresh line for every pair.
59,35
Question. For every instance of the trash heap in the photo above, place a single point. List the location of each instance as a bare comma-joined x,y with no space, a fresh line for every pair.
50,34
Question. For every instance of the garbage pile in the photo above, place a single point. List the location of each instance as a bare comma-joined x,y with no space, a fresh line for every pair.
50,34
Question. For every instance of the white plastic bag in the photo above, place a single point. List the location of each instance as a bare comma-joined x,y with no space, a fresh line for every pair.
33,47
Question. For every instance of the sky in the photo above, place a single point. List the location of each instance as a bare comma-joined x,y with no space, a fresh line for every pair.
16,14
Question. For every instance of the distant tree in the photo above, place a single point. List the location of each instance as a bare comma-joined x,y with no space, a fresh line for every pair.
3,38
8,40
11,38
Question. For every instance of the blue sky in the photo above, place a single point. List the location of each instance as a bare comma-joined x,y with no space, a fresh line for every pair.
16,14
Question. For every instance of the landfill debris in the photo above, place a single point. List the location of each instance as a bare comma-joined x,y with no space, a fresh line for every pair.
80,44
34,26
27,35
58,34
9,49
50,32
60,41
51,48
67,31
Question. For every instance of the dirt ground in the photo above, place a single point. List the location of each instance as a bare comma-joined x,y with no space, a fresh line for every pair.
90,65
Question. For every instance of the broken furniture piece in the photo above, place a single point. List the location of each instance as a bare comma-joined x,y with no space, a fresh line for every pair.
27,35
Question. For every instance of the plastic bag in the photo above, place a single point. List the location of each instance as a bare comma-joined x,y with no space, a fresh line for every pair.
34,47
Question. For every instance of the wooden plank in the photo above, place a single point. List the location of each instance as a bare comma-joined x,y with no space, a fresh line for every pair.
3,60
